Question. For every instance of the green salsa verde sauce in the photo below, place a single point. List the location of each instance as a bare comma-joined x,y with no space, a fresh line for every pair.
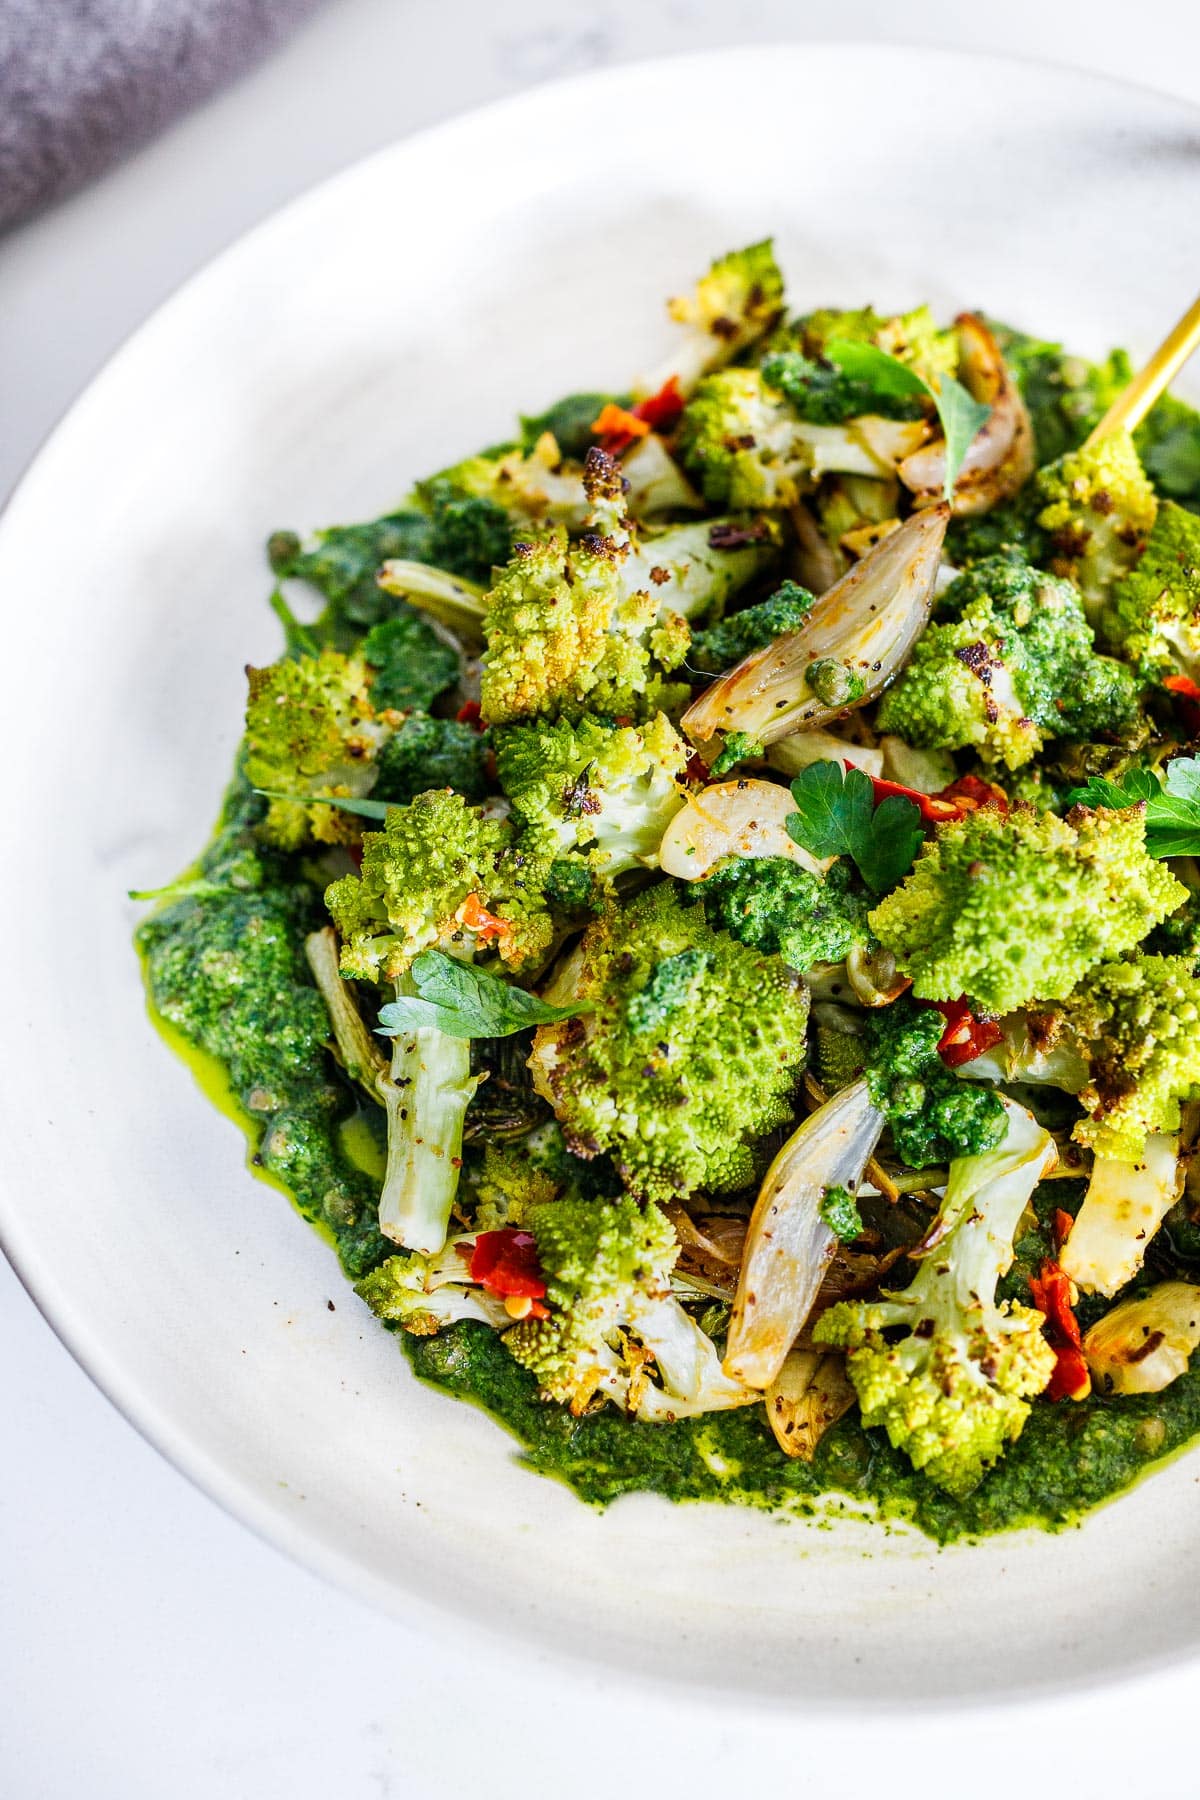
229,988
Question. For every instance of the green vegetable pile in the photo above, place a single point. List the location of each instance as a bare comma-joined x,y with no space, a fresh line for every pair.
803,740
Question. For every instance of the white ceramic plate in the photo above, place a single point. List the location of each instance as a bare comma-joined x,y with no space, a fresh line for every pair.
399,316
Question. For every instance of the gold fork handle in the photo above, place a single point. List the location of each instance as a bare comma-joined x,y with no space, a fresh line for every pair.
1134,402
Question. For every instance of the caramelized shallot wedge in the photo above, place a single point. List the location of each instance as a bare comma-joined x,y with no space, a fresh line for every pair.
732,818
868,621
817,566
791,754
789,1246
1145,1344
1123,1208
810,1393
1001,455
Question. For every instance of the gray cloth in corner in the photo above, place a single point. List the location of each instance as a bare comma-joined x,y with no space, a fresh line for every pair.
84,81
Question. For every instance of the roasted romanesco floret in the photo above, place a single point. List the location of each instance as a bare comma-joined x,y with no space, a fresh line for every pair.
1009,663
592,626
744,442
311,729
940,1366
605,793
933,1115
1098,508
690,1054
729,309
514,1177
423,1294
1153,616
614,1329
1138,1025
441,875
1008,910
774,904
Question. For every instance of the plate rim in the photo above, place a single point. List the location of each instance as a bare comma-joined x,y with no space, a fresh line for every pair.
220,1482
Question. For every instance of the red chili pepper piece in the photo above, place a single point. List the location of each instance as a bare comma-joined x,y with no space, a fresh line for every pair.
505,1262
1062,1226
615,428
933,809
1187,702
476,917
661,410
970,792
965,1036
1051,1291
471,714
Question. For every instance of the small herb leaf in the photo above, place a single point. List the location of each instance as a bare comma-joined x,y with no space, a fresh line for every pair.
889,853
1172,805
365,809
836,815
962,416
465,1002
886,375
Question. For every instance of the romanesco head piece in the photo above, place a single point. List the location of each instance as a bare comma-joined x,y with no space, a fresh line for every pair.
1139,1025
1009,910
603,792
1153,617
311,729
566,631
602,1260
1098,507
1009,663
691,1053
438,873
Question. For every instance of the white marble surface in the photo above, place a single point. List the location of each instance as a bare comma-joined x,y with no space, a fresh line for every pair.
149,1646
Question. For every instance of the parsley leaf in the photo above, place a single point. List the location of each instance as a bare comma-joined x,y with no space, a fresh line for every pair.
465,1002
1172,806
836,816
962,416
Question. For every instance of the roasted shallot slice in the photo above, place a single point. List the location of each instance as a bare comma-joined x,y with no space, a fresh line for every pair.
1000,458
789,1246
867,622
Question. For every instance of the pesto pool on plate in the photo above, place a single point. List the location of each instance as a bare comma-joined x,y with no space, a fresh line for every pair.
705,919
